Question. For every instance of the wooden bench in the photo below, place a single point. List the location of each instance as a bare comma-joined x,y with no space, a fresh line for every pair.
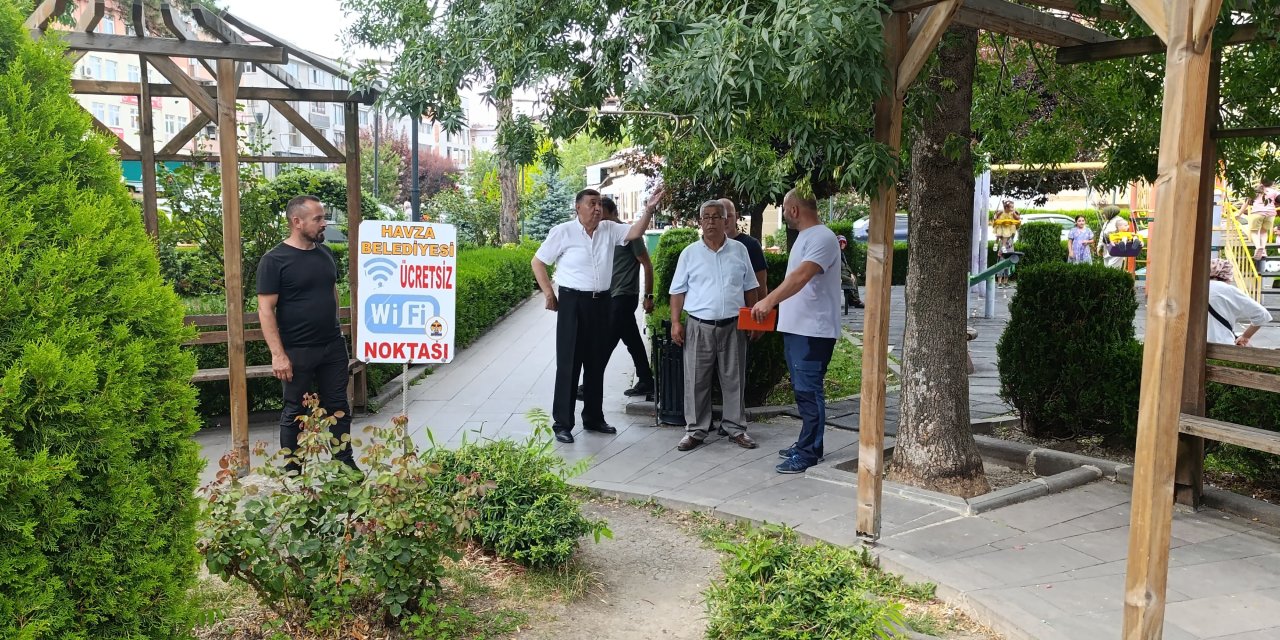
357,392
1221,368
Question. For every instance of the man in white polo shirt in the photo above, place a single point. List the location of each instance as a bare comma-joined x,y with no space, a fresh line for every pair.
808,302
713,280
582,250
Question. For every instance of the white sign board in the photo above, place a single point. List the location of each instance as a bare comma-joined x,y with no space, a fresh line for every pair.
407,292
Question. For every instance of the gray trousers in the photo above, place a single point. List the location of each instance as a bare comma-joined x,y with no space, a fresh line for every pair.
719,351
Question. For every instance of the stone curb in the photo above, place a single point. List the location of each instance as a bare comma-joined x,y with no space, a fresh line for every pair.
1006,618
1234,503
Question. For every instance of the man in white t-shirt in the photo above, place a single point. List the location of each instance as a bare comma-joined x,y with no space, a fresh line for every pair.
583,250
808,302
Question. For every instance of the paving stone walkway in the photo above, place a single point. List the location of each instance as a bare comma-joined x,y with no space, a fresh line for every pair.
1052,568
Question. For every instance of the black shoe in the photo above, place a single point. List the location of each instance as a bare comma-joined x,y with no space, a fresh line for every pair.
857,304
642,388
581,393
564,436
603,427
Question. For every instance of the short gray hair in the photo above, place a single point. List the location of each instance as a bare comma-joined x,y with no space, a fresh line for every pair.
716,204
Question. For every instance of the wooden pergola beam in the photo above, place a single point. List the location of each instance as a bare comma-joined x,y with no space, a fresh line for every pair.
922,38
185,84
44,12
207,157
126,152
1153,13
185,135
1169,275
223,31
324,146
1106,12
151,45
910,6
90,18
116,88
138,18
1255,132
173,22
1026,23
1134,47
270,38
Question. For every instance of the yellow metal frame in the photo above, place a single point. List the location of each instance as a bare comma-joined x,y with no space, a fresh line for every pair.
1235,247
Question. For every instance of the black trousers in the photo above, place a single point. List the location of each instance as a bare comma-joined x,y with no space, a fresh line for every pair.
623,320
583,340
324,368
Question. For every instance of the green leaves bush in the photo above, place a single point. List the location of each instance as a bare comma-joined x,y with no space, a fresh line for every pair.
528,514
1069,362
490,282
330,541
1040,243
775,587
97,464
1249,407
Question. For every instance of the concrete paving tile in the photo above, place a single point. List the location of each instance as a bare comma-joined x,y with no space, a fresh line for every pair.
1074,506
889,528
1033,599
1106,545
841,530
1195,529
1106,625
1223,578
948,538
1225,615
1060,531
1023,564
1230,547
1263,634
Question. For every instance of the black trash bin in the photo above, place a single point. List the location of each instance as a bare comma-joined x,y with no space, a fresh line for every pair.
669,378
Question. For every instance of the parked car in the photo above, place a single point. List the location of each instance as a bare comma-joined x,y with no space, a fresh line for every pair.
1066,222
860,228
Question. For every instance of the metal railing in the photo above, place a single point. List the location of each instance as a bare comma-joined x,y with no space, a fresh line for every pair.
988,276
1235,248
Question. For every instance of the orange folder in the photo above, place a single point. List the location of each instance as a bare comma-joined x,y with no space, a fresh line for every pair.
747,323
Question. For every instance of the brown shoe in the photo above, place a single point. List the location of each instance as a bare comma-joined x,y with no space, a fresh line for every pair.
743,440
687,443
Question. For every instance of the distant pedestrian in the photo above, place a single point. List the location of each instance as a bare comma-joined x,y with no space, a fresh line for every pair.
848,281
1115,223
1229,307
1079,243
712,281
1261,211
808,302
298,309
582,250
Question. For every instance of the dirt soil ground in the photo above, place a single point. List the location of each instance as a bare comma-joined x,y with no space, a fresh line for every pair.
650,579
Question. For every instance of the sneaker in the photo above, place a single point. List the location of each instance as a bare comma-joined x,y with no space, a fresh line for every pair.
792,465
642,388
791,451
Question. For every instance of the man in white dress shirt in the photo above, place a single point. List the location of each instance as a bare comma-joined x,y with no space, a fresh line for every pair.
712,281
582,250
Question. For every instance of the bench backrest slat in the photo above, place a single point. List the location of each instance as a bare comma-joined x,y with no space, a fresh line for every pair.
220,320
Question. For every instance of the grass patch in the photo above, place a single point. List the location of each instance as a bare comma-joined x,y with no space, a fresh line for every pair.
844,376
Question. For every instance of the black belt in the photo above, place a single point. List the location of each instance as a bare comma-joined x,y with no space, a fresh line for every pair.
590,294
716,323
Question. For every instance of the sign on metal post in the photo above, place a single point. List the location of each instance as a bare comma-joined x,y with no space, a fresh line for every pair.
407,292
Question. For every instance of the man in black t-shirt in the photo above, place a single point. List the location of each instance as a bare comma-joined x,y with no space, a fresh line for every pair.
754,251
298,309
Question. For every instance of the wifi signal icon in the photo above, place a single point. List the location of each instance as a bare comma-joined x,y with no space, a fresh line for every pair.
379,270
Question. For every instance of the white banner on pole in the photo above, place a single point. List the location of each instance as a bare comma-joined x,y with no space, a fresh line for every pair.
407,292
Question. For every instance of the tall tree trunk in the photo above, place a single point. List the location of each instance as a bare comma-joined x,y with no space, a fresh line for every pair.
935,447
508,183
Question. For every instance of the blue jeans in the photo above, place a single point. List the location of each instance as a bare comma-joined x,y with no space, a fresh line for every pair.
807,360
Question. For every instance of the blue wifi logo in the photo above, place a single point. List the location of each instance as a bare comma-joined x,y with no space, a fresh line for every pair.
379,270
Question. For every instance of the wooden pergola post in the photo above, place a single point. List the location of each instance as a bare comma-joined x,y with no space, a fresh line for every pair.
905,53
1188,487
351,121
147,150
228,162
1186,26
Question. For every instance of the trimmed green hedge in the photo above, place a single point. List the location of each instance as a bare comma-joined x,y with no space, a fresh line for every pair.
490,282
766,363
1069,362
1040,243
98,467
1252,408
